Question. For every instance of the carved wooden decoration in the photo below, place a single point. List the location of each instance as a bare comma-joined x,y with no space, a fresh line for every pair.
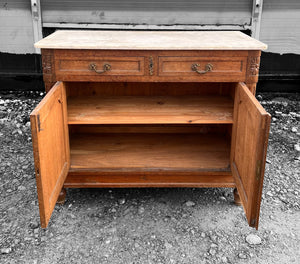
48,68
254,65
252,70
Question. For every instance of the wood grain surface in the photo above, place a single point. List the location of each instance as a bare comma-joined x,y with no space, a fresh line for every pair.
150,110
51,149
123,179
134,65
248,152
149,152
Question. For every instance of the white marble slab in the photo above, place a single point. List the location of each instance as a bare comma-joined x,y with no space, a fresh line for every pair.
150,40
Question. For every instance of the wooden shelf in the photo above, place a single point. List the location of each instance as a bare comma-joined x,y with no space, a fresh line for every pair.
150,110
132,152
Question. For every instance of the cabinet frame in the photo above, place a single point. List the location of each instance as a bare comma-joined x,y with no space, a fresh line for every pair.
250,60
245,84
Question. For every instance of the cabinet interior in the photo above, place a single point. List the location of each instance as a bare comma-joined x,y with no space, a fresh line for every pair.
150,127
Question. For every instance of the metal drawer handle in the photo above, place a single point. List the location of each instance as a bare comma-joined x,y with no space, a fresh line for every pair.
208,68
106,67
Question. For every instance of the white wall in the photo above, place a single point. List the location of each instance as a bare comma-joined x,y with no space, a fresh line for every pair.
280,26
16,31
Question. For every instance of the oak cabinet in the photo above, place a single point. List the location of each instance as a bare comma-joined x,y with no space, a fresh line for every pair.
134,116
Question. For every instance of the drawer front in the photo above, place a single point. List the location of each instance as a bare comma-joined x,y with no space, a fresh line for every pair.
202,67
101,66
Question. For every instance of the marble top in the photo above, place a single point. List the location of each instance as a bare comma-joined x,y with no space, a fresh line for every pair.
150,40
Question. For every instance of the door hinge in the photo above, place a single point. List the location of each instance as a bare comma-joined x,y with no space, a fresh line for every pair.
39,123
258,169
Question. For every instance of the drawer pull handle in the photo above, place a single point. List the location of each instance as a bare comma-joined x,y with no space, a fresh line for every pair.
208,68
106,67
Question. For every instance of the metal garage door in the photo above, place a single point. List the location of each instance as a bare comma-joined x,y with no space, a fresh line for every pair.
234,14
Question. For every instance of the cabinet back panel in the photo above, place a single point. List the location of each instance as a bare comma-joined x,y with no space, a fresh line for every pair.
200,129
144,89
150,152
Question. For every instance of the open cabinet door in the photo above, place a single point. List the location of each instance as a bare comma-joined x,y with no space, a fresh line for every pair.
51,150
249,147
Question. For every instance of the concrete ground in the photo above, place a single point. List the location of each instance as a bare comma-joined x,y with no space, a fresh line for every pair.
149,225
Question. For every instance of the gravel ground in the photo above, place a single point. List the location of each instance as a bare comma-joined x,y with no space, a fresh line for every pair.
149,225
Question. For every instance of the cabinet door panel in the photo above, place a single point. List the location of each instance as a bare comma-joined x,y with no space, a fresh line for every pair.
51,148
249,147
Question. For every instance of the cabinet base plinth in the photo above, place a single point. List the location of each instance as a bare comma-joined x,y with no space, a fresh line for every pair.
151,179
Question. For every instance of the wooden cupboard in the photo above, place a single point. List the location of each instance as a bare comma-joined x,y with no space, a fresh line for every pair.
149,110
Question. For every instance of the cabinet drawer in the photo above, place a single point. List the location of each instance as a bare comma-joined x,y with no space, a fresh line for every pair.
101,66
207,67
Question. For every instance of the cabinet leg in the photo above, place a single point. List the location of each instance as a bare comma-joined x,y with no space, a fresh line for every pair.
62,196
237,199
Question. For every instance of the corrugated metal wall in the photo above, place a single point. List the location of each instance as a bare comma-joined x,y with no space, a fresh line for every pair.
280,29
280,26
16,33
152,12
